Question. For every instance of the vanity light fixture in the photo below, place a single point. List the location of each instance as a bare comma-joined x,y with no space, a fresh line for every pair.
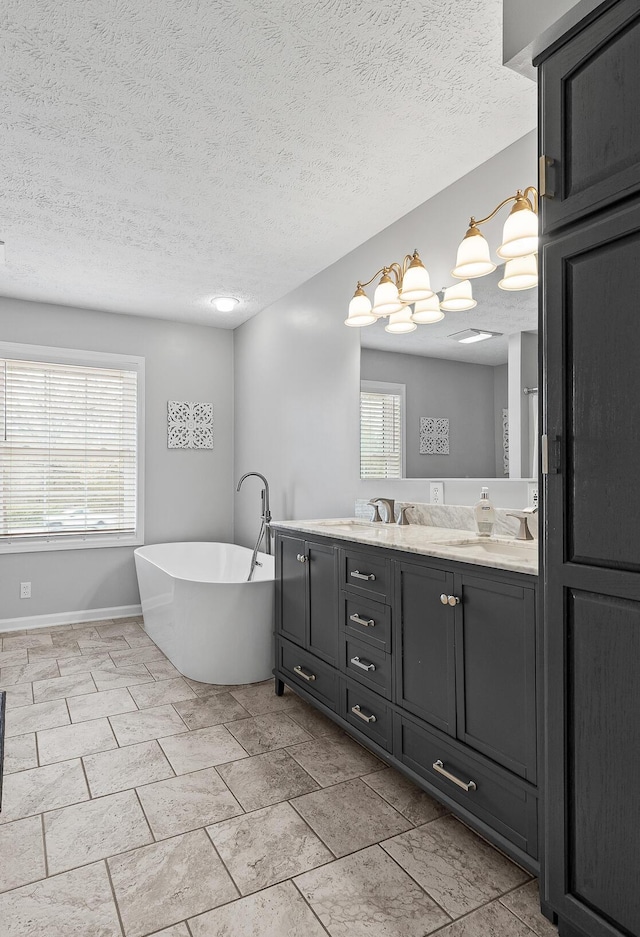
521,273
400,285
468,336
458,298
427,311
401,321
225,303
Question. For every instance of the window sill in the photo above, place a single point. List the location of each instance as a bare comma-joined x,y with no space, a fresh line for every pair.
72,543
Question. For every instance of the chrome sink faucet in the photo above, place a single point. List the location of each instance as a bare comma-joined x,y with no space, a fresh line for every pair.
389,504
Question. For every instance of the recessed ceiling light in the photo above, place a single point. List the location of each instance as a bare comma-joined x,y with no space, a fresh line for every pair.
225,303
472,335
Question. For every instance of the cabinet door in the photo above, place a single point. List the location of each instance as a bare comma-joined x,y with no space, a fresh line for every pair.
590,115
291,583
425,664
322,635
496,671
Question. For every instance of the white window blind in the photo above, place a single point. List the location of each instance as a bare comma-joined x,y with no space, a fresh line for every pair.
68,450
381,442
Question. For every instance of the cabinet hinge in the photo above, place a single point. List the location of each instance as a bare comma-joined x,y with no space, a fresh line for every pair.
545,163
550,454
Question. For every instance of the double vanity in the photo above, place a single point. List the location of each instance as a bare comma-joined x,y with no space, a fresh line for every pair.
422,643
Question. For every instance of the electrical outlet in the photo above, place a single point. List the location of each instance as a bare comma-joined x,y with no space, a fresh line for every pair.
533,495
436,492
25,590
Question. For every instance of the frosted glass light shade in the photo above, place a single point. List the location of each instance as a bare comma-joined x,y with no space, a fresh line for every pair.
415,283
386,299
401,321
458,298
520,234
360,310
427,311
521,273
473,259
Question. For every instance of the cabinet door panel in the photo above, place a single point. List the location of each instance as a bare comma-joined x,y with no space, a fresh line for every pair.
496,672
291,582
425,648
323,601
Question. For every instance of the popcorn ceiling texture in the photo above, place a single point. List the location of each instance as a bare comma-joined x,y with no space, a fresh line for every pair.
157,153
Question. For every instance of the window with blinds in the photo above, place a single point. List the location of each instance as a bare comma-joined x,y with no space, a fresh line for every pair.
69,456
381,430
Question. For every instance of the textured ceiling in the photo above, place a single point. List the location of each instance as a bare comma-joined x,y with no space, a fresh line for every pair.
156,153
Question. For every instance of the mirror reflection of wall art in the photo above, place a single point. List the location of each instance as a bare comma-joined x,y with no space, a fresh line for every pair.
434,435
505,441
189,425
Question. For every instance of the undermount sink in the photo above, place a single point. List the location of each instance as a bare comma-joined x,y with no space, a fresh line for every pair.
521,548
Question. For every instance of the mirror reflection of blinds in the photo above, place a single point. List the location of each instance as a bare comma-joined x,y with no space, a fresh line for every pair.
380,435
68,438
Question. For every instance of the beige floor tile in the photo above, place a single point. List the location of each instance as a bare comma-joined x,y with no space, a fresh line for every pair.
138,639
73,741
137,655
93,830
118,628
21,853
278,911
330,760
147,724
178,930
18,694
262,734
314,722
75,904
494,920
203,748
164,883
187,802
260,698
20,753
124,768
60,687
213,710
267,846
86,663
367,895
160,692
36,717
350,816
27,793
457,868
162,669
27,673
55,652
405,796
8,658
96,705
19,642
525,904
89,645
266,779
113,679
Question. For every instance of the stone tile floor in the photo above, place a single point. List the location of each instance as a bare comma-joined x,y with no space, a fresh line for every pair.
138,802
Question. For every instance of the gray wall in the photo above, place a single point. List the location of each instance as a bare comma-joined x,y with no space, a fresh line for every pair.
500,402
297,368
530,26
459,391
187,492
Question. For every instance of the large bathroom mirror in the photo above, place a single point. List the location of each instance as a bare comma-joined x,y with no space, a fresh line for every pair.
435,407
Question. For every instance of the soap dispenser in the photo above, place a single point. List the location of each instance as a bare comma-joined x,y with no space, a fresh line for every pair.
485,514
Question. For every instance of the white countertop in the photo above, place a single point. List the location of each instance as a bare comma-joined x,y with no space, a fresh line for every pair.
446,543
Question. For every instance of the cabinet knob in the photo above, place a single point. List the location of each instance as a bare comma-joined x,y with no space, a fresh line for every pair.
444,599
301,558
449,599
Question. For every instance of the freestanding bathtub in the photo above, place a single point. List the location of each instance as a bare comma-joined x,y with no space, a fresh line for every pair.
212,624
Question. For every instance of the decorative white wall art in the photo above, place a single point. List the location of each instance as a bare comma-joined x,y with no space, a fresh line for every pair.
505,441
189,425
434,435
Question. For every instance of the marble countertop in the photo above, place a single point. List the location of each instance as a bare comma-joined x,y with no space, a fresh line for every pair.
446,543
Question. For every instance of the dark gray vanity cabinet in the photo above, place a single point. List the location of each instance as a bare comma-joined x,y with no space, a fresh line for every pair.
434,669
590,109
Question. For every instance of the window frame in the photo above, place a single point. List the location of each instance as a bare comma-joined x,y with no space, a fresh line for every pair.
38,543
390,388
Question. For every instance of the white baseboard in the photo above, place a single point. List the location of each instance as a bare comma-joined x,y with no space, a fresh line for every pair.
69,618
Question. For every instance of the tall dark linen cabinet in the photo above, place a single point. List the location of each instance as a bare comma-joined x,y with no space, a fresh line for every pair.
590,321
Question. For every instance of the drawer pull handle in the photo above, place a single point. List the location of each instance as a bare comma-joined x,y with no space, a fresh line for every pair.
358,663
358,712
361,621
301,558
309,677
466,786
368,577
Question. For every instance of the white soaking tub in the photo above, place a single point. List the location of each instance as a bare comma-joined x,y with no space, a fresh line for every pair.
212,624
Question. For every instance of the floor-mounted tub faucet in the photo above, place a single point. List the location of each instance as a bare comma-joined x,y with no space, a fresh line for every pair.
265,519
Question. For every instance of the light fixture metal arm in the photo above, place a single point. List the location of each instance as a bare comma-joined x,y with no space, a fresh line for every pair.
520,194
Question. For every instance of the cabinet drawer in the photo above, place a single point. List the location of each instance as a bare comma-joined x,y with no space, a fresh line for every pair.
367,713
366,574
509,806
367,621
367,665
307,671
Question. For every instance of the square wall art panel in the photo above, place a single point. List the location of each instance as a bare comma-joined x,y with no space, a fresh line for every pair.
189,425
434,435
